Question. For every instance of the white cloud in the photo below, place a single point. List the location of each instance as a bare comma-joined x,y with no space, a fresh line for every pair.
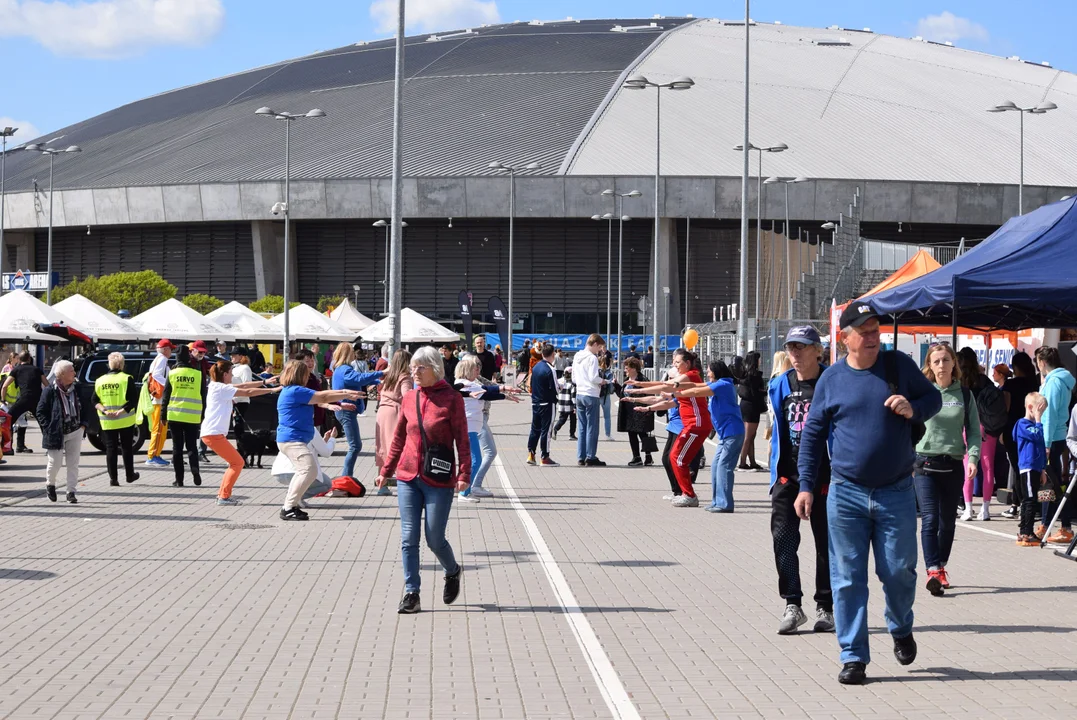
110,28
949,27
429,16
27,131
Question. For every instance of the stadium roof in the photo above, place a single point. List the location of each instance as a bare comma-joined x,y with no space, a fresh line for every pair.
850,104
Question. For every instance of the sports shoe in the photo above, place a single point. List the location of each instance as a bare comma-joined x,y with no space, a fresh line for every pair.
905,649
670,496
594,462
824,621
985,512
293,514
853,673
177,483
50,490
944,578
609,437
573,437
1010,513
158,462
581,463
384,491
72,499
531,459
967,514
409,604
685,501
649,460
792,618
23,449
1062,537
548,462
934,583
466,498
452,586
1027,541
227,501
635,462
481,492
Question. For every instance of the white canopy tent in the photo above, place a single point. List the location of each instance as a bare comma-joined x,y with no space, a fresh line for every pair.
349,317
175,321
414,328
307,324
19,310
101,323
246,324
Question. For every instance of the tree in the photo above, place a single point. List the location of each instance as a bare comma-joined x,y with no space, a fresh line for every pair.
135,292
201,303
326,302
270,304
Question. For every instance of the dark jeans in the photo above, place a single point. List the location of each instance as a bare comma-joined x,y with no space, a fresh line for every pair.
938,493
562,418
117,442
785,531
185,435
541,418
667,464
25,404
1055,477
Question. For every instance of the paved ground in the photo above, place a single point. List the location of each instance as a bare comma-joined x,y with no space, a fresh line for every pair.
585,597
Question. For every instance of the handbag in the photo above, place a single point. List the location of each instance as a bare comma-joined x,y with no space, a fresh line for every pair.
438,460
649,443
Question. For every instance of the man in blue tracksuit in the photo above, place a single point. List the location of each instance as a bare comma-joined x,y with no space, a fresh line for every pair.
543,402
865,403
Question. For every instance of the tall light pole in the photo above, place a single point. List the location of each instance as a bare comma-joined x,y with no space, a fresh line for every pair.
780,147
5,133
52,153
288,119
385,277
609,267
788,239
396,247
1010,106
618,200
639,82
511,170
742,321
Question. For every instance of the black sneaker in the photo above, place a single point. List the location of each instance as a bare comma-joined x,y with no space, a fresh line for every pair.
581,463
132,478
635,462
649,460
50,490
853,673
573,437
905,649
114,483
196,480
452,586
409,604
594,462
293,514
23,450
72,499
177,483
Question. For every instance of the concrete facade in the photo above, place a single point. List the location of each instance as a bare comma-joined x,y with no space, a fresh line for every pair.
268,239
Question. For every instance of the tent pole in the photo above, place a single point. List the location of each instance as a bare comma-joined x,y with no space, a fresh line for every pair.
895,332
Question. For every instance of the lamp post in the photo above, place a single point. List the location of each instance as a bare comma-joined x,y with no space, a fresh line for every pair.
288,119
609,266
742,298
780,147
355,289
385,278
497,166
1011,106
5,133
788,238
52,153
618,200
639,82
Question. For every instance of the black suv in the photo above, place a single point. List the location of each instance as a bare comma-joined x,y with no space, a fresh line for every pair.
88,369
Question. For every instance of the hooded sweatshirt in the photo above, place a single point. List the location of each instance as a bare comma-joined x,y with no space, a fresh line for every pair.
1057,388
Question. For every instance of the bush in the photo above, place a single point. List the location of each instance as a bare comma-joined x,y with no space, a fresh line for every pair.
327,302
135,292
202,303
270,304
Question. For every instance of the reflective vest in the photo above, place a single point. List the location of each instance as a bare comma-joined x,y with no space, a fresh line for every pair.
111,390
185,399
12,393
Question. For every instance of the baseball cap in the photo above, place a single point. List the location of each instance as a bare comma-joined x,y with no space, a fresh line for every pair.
165,343
856,314
198,345
240,350
803,334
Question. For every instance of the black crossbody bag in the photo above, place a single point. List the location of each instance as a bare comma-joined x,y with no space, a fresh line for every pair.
438,460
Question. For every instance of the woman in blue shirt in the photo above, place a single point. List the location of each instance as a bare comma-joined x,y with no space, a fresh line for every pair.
346,377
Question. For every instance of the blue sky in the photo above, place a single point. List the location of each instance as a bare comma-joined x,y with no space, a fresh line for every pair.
62,61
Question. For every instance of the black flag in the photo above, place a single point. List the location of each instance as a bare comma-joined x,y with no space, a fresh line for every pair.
501,323
465,313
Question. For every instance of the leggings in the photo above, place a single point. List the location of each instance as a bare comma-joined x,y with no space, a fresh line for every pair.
667,464
987,470
634,442
219,444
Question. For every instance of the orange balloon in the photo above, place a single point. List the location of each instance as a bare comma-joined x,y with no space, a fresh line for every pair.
691,337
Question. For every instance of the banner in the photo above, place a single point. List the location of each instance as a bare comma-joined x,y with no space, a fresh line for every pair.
465,312
574,343
501,322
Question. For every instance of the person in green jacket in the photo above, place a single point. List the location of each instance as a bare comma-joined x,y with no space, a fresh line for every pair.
941,470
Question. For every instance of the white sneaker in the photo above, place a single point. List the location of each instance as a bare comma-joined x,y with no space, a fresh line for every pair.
685,501
481,492
967,515
670,496
466,499
792,618
985,513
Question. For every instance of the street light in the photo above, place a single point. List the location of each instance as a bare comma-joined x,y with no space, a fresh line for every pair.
618,200
52,153
5,133
1011,106
355,289
639,82
498,166
780,147
788,238
288,119
385,278
609,265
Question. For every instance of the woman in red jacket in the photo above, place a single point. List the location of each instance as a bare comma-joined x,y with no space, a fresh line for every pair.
444,424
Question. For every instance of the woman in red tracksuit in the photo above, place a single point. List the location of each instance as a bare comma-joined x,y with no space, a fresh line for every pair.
697,426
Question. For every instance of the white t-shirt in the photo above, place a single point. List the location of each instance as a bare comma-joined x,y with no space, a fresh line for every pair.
283,466
472,406
159,371
242,374
218,409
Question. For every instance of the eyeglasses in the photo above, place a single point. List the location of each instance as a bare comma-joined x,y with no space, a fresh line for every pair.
417,368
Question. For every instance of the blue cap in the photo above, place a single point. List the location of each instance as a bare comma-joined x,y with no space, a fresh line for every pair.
803,334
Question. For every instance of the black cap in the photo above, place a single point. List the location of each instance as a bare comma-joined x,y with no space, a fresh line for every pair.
856,314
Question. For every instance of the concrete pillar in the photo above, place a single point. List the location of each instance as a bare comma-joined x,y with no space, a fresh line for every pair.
19,250
669,275
268,239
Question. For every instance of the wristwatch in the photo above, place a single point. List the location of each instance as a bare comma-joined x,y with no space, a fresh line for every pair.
677,384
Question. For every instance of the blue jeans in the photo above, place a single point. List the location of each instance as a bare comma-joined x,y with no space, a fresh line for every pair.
587,414
349,420
883,519
725,461
476,460
413,497
606,414
487,453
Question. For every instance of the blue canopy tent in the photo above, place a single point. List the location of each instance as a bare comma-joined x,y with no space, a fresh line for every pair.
1024,275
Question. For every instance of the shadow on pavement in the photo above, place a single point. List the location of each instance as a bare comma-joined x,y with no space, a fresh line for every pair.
636,563
105,516
13,574
489,607
948,674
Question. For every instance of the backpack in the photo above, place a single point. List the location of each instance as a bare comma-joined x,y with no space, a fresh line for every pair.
991,406
349,486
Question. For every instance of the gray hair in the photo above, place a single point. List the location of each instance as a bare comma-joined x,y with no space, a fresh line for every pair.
429,356
115,361
62,366
385,351
467,363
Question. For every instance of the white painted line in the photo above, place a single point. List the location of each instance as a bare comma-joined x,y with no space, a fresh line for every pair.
613,691
967,526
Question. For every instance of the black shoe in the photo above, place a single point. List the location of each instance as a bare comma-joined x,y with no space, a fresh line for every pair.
853,673
51,491
409,604
132,478
177,483
594,462
72,499
745,466
573,437
23,450
294,514
452,586
635,462
203,458
649,460
114,483
196,480
581,463
905,649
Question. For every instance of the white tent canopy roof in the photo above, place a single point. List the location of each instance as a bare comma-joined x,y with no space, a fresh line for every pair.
349,317
306,323
19,310
246,324
101,323
175,321
414,328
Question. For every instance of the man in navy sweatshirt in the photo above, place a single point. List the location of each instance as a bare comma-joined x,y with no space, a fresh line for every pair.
868,403
543,402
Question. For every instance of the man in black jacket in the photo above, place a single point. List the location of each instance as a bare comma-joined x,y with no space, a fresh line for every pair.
543,402
62,429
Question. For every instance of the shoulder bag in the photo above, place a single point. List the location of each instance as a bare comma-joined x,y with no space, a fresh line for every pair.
438,460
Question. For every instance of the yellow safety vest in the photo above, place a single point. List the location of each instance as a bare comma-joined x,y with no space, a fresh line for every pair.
12,393
111,390
185,400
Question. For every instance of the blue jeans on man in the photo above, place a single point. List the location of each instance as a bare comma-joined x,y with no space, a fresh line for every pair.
862,520
414,497
725,462
541,419
587,415
349,421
